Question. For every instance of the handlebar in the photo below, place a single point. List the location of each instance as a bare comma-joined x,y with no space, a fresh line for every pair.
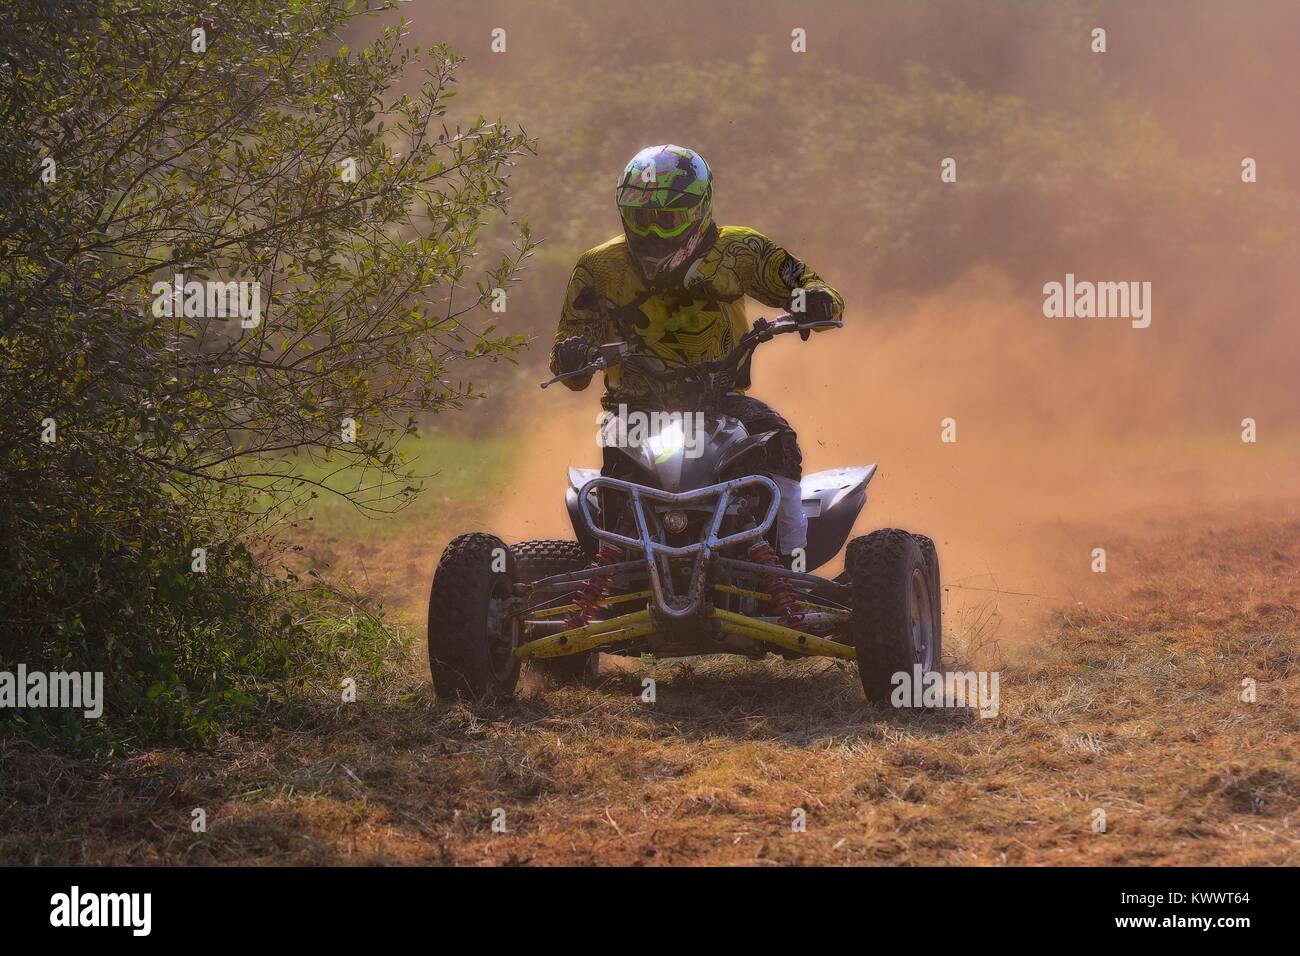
613,354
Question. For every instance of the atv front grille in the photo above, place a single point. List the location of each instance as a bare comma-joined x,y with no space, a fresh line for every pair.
736,497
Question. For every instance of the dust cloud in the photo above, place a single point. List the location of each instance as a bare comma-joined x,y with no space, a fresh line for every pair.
1072,434
1068,439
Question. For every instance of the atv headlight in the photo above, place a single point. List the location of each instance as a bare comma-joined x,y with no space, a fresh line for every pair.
675,521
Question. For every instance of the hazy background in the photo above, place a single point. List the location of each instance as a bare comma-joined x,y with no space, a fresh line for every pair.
1072,434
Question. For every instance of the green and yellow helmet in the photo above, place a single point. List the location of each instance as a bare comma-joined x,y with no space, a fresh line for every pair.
665,197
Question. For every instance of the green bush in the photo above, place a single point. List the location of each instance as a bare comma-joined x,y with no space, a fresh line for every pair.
99,576
228,141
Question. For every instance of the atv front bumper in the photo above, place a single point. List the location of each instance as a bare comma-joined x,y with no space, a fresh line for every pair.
649,507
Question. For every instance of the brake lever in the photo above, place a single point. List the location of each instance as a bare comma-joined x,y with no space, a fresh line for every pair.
807,328
607,356
591,369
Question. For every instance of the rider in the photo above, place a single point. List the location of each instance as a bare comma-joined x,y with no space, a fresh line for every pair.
673,285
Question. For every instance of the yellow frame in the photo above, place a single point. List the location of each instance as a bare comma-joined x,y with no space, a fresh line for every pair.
638,623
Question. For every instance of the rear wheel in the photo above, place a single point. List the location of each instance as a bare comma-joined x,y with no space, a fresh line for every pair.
472,634
896,623
542,558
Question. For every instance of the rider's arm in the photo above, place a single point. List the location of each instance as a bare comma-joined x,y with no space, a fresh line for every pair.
772,275
579,318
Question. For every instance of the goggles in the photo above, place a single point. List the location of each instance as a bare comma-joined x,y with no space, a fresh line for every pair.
664,223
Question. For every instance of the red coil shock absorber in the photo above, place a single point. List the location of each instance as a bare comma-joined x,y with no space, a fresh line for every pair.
784,599
594,589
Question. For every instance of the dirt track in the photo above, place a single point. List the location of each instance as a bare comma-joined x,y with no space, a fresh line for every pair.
1133,708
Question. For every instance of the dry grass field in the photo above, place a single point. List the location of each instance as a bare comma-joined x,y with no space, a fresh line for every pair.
1132,706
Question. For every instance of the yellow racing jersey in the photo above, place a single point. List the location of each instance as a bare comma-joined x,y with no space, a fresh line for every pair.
698,319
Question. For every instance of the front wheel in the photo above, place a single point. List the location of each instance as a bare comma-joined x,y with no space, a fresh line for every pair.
896,623
472,632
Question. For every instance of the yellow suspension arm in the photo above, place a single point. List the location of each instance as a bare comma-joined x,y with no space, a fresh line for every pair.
595,634
781,636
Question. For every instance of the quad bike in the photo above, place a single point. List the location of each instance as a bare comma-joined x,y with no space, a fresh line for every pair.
675,555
